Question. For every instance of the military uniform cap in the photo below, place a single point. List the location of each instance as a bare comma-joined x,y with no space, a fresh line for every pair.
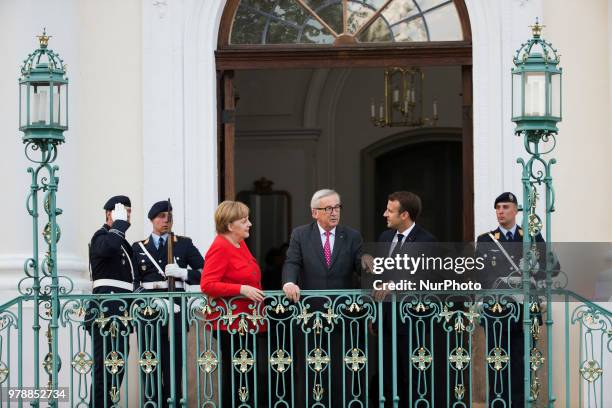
506,197
120,199
158,207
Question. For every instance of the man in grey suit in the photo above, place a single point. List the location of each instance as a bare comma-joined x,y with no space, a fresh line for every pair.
324,255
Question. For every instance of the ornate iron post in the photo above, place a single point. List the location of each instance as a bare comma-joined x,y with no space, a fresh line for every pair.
43,118
536,109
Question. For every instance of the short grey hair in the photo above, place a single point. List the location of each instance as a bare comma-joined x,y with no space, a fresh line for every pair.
317,196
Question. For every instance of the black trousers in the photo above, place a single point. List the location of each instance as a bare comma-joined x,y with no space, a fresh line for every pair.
166,347
507,382
240,388
108,342
336,383
423,387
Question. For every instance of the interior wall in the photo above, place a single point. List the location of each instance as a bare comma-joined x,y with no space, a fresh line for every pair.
305,129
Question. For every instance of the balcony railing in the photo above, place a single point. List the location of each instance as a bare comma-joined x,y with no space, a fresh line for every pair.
332,348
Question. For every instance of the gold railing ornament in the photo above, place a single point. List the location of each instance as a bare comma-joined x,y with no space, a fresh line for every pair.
330,316
243,394
148,362
535,387
317,392
114,362
114,394
421,359
304,315
459,357
317,325
498,359
536,359
591,370
535,328
318,359
459,391
244,362
356,360
81,363
255,317
4,372
279,309
125,319
280,361
243,327
208,361
420,307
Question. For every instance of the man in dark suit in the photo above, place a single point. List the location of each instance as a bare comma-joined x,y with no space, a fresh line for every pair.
152,270
403,209
502,250
111,272
324,255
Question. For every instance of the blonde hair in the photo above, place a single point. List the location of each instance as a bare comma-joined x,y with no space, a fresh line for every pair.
228,212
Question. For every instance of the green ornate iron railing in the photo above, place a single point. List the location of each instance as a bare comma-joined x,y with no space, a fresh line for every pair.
325,351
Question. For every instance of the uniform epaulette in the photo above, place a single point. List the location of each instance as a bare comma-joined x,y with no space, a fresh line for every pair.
520,231
496,234
145,241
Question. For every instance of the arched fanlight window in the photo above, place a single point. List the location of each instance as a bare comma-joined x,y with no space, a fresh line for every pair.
345,22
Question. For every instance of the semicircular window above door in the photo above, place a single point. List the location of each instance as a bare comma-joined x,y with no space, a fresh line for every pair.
343,22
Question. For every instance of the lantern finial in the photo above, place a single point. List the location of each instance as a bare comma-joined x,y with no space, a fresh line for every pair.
44,38
536,29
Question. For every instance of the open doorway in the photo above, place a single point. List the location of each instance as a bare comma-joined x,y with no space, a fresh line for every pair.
306,129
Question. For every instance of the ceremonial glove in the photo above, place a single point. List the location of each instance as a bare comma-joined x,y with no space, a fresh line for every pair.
119,213
163,304
175,271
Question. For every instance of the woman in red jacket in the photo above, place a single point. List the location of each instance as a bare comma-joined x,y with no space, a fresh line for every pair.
231,271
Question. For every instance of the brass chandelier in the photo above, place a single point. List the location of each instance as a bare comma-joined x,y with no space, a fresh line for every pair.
403,100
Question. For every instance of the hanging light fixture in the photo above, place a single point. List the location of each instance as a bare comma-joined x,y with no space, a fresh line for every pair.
403,100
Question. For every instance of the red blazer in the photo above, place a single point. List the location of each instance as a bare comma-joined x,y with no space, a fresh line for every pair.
226,268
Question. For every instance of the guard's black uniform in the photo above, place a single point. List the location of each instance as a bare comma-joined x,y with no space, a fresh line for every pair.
110,257
151,279
497,268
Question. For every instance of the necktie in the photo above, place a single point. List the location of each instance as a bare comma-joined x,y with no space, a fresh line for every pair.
327,249
160,245
398,245
509,236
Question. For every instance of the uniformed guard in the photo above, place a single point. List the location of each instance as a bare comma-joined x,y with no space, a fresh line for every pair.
152,270
502,251
110,259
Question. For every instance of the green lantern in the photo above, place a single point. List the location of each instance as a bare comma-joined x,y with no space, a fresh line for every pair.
43,96
536,86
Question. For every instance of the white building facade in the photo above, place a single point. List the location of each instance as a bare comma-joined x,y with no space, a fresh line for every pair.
144,116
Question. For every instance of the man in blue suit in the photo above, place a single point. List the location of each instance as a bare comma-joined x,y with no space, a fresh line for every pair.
402,212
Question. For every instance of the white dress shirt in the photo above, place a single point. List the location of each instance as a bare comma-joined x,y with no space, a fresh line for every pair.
405,233
156,239
505,231
332,237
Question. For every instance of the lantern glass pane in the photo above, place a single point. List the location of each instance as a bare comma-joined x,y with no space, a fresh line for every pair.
23,104
39,104
555,95
535,94
517,95
59,104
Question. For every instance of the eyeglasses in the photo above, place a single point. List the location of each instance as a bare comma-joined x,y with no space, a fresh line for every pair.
330,210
